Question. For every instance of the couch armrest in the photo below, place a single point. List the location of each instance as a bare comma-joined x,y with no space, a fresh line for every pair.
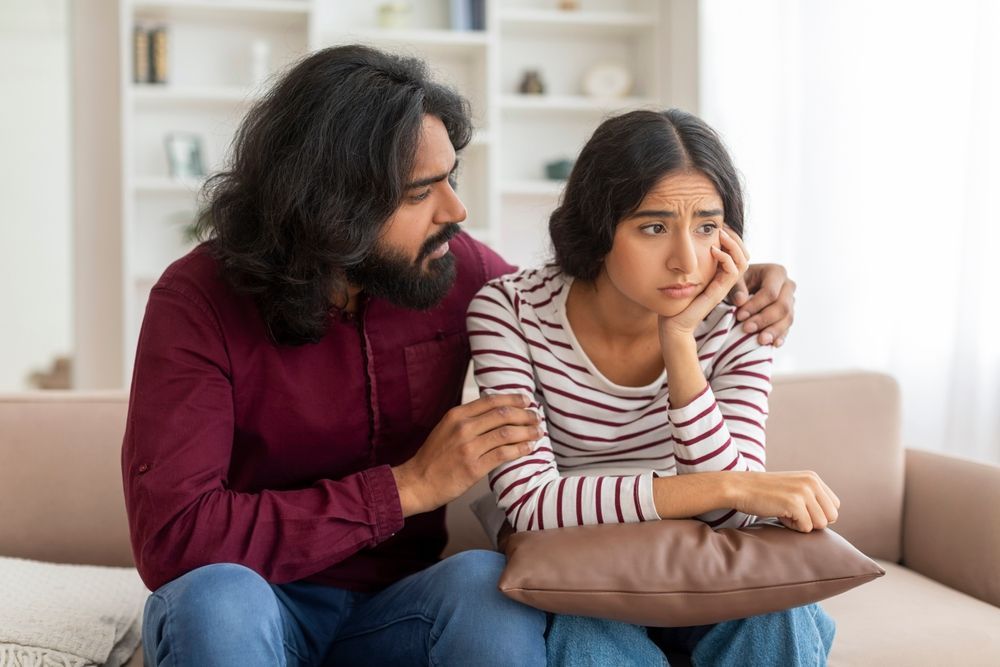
951,522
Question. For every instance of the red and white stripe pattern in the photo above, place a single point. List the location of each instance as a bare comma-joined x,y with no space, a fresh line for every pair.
604,442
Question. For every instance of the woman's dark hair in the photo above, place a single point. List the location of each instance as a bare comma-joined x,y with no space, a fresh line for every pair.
317,168
625,159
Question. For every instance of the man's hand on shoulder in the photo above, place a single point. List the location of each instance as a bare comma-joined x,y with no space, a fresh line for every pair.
470,440
771,309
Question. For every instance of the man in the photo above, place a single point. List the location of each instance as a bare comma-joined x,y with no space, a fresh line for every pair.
293,435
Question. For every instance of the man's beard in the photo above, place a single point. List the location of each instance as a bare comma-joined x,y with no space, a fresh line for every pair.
389,274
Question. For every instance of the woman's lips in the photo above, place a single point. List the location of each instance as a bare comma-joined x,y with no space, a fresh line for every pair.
679,291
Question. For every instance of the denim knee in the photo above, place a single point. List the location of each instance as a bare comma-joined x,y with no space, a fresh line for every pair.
475,568
473,603
213,606
796,637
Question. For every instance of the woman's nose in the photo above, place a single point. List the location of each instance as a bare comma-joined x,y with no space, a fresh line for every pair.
682,257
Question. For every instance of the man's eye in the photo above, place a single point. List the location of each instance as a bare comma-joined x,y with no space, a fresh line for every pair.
422,196
654,229
453,179
708,228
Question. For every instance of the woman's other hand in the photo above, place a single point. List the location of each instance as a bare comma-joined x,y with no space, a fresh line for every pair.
732,264
771,310
800,500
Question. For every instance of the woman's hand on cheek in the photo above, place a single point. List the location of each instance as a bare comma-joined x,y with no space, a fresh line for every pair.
732,263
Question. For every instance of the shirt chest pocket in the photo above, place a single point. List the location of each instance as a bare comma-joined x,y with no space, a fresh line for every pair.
435,370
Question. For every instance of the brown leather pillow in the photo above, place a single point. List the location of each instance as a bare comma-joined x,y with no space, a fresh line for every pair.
675,573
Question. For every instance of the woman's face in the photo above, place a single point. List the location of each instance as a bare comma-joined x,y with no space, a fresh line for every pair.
660,258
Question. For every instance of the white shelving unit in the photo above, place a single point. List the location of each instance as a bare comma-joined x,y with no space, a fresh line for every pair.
502,171
210,86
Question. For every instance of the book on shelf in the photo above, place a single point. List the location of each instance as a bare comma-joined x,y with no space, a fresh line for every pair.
149,54
140,55
468,14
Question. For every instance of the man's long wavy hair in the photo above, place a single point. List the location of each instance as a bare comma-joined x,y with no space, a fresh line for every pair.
317,168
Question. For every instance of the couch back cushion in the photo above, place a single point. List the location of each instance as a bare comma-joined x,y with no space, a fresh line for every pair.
61,494
844,426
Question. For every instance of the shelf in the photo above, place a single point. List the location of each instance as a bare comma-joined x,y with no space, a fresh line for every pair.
569,22
285,11
443,42
166,185
533,188
148,94
580,103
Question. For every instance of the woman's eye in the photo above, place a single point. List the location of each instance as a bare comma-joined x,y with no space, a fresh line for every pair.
708,228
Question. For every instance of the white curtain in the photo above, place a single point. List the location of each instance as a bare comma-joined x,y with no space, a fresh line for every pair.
867,136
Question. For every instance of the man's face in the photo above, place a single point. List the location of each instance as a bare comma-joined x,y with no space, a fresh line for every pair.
411,265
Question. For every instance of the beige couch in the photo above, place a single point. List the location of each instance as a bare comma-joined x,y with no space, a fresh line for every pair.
932,521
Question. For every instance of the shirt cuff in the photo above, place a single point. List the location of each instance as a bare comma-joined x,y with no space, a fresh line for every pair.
646,498
383,497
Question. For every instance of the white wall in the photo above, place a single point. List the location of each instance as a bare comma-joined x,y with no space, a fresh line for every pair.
35,265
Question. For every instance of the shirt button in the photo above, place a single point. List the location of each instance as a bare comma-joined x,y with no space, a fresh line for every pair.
143,468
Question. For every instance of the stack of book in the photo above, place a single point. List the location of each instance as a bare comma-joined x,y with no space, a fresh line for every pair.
149,54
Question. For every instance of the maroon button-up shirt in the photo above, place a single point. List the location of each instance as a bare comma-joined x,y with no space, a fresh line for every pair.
277,458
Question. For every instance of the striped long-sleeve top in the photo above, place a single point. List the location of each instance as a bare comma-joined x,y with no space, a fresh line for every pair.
603,443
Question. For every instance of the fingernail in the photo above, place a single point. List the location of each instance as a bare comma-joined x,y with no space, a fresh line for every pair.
750,327
779,342
766,339
742,315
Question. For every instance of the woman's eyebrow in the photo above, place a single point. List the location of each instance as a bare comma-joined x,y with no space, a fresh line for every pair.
710,213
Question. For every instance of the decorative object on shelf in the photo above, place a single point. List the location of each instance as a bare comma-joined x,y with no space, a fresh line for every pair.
558,170
468,14
184,155
607,80
394,15
140,55
569,4
159,69
57,376
260,61
531,83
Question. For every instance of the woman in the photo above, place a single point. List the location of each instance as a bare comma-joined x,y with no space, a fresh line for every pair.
652,399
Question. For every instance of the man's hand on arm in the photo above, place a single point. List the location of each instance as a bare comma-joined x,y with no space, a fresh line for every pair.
771,309
469,441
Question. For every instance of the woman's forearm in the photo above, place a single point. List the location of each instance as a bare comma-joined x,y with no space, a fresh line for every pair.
684,375
686,496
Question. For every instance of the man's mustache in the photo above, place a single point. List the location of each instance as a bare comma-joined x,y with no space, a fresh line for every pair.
449,232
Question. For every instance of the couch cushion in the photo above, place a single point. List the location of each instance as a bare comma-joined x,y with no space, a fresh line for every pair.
62,473
845,426
904,618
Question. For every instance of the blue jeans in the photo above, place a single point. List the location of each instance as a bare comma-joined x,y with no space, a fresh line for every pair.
796,637
449,614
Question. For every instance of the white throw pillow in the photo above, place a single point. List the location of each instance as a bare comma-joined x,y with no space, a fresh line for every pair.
68,615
